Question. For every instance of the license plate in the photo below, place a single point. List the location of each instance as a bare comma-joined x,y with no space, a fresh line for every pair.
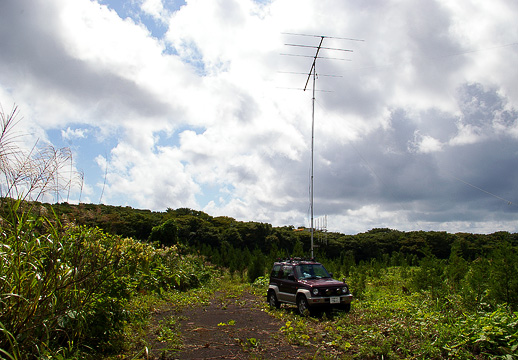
334,300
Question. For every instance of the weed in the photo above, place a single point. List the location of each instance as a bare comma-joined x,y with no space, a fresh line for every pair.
229,323
252,342
297,332
169,332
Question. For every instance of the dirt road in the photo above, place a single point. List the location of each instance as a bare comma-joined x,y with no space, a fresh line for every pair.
232,328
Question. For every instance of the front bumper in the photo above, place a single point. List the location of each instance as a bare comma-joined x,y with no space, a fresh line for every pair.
330,300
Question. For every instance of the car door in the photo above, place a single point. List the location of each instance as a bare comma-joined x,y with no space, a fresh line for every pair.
288,284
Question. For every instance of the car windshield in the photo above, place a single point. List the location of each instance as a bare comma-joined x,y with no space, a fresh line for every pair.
311,271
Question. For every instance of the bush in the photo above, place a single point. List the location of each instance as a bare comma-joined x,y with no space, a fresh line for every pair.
256,269
429,276
69,287
165,234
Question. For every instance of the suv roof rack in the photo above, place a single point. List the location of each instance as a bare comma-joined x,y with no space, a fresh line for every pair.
296,259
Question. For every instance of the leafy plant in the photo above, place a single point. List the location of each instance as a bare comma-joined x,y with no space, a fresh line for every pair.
252,342
169,332
296,332
493,334
228,323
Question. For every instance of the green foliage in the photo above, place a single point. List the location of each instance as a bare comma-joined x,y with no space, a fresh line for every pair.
298,249
296,332
200,230
503,282
165,234
358,281
429,275
169,332
474,285
390,321
68,288
456,270
257,266
261,282
492,334
229,323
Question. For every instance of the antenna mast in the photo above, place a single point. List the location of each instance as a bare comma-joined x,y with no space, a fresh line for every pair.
314,70
313,73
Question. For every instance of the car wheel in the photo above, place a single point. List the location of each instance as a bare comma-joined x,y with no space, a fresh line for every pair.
302,305
272,300
345,307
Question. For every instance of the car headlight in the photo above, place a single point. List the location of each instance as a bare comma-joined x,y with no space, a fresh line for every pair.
315,291
345,290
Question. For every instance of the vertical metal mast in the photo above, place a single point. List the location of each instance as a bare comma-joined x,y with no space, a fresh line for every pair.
313,72
312,152
312,155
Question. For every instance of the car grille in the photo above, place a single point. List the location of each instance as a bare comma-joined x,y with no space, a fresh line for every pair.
330,291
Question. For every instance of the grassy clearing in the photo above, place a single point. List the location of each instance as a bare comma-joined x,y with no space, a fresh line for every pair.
390,322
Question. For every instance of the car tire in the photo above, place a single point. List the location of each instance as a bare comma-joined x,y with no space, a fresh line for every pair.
272,300
302,305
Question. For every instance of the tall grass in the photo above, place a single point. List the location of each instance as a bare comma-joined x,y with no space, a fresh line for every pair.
68,287
64,289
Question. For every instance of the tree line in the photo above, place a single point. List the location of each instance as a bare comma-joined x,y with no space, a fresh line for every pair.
476,266
201,231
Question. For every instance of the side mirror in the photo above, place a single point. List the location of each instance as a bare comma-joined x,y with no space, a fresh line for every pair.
291,277
331,274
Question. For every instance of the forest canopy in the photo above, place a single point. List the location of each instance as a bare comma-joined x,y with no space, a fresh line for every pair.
200,230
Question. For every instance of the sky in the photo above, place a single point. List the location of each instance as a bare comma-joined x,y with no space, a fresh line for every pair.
200,104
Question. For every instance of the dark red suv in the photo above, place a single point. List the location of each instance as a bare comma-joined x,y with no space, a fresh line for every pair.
308,285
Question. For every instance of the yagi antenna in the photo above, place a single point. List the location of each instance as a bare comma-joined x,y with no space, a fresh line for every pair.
313,73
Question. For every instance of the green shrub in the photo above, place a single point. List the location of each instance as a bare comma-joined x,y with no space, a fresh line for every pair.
165,234
492,334
69,287
256,269
429,276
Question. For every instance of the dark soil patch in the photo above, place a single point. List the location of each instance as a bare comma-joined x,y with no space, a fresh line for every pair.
230,328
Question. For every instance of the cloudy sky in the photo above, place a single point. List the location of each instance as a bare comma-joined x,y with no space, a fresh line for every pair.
198,104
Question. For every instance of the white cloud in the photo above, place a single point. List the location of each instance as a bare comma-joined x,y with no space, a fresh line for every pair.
74,133
155,8
201,113
426,144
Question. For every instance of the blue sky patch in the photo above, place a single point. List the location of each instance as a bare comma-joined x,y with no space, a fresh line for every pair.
132,9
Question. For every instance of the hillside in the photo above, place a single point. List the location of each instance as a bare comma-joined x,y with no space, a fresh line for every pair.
202,231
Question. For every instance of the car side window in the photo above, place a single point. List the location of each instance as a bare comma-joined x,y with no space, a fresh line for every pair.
275,271
286,271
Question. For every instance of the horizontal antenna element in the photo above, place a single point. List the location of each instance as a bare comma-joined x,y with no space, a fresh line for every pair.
319,36
318,47
311,56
